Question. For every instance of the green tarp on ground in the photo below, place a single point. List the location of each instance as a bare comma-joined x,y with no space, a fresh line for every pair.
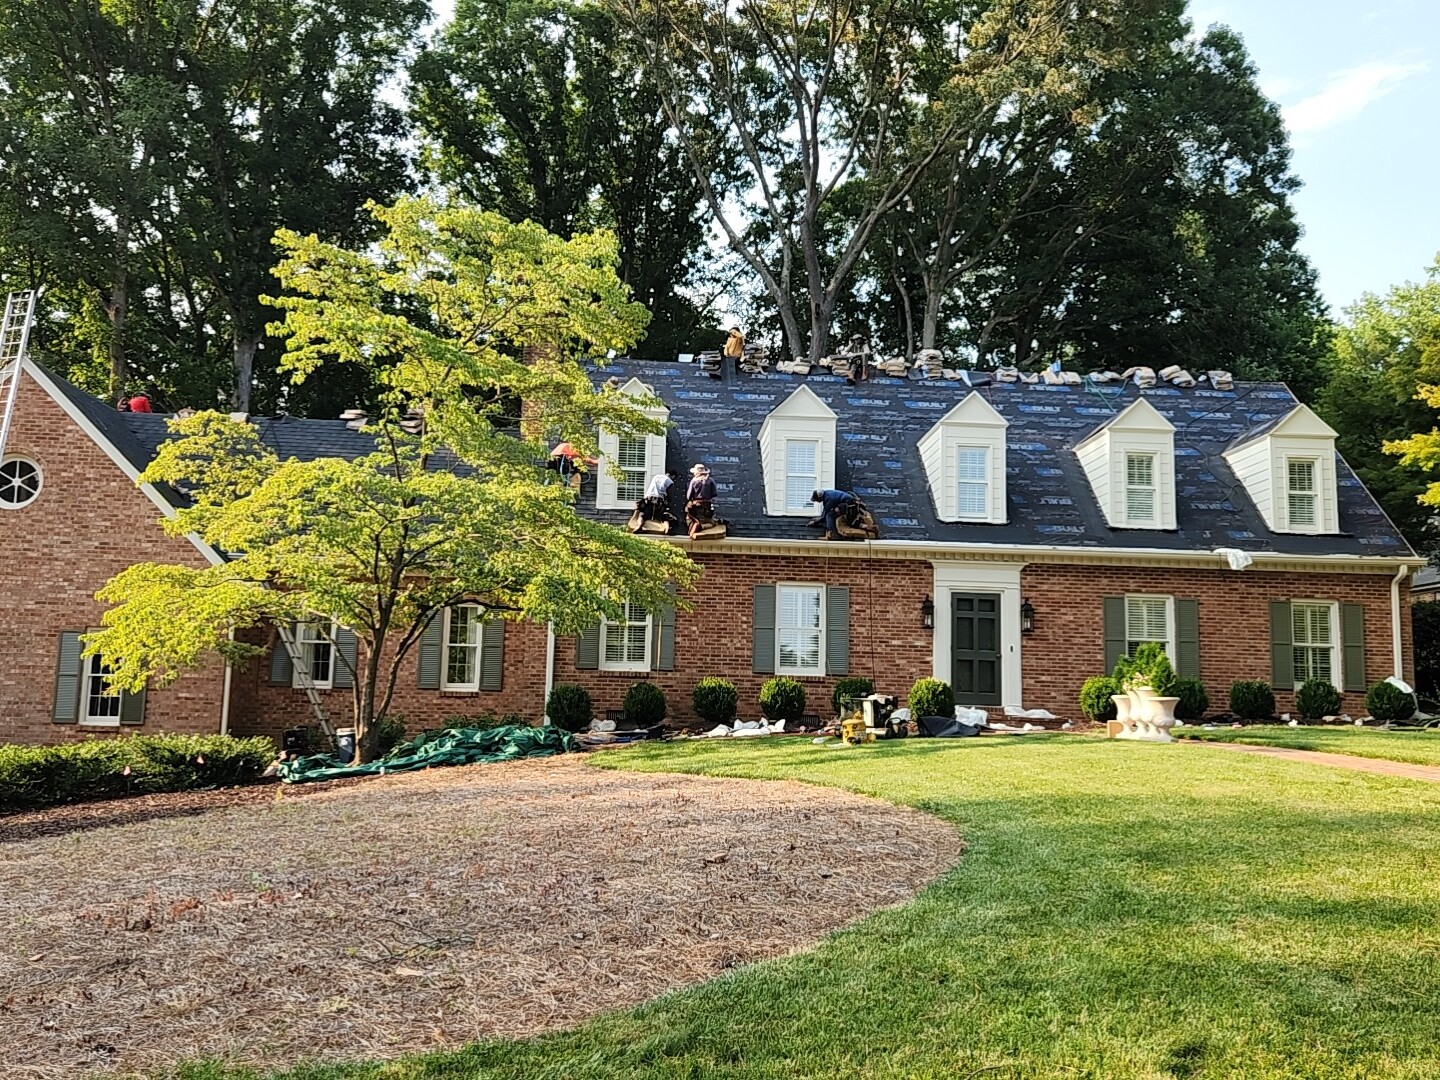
452,746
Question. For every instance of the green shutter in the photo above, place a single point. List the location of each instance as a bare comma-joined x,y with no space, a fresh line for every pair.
343,676
837,630
1282,646
428,665
1187,638
132,708
282,671
665,634
762,641
1114,615
492,654
587,648
1352,640
68,679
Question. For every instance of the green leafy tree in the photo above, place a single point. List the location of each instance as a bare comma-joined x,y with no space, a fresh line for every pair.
465,510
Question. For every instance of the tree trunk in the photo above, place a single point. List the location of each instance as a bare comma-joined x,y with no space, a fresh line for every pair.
247,343
930,326
117,307
822,311
909,314
367,732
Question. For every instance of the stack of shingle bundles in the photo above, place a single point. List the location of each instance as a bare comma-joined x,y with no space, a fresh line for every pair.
895,366
791,367
1144,377
1175,375
710,361
355,419
928,364
1105,377
1220,380
756,359
1060,378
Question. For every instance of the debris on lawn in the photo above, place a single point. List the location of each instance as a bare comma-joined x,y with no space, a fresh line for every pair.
451,746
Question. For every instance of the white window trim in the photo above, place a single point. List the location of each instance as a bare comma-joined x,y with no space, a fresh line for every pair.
804,672
86,719
39,476
302,646
473,686
1170,629
1153,521
628,665
957,449
813,477
1317,512
622,473
1337,650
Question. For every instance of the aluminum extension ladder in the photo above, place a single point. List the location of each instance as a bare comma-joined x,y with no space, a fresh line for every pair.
14,337
302,676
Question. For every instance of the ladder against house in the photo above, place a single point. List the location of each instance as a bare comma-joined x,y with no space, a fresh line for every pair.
14,337
299,664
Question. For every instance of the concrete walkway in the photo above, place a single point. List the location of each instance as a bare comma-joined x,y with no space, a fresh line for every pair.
1339,761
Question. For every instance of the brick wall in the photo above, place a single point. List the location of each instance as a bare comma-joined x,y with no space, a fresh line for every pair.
1068,643
89,522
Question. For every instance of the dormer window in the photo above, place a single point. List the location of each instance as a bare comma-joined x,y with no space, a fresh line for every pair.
1288,469
797,451
627,462
1130,463
964,459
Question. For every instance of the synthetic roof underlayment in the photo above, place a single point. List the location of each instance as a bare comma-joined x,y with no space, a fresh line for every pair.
879,424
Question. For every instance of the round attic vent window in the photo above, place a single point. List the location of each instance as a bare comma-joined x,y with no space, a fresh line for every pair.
19,483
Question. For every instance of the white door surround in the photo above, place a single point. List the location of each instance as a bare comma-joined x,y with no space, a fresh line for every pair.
969,577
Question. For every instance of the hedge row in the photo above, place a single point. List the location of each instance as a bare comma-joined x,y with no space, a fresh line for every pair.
33,776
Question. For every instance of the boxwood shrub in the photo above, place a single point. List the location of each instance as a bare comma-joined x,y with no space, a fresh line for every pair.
850,690
1317,698
931,697
1252,699
1194,701
568,707
716,701
1095,695
644,704
782,699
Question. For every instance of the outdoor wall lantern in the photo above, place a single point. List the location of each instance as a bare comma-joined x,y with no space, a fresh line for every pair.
1027,618
927,613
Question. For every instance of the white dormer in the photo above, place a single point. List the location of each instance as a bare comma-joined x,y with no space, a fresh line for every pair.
627,462
964,458
1288,469
797,449
1130,462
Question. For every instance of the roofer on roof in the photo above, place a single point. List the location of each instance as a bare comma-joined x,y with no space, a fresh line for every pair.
832,502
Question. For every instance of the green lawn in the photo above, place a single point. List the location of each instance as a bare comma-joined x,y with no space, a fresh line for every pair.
1417,747
1124,910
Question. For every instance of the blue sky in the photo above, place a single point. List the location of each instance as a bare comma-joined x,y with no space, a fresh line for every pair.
1359,84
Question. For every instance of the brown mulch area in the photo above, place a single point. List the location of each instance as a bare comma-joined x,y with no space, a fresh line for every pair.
410,912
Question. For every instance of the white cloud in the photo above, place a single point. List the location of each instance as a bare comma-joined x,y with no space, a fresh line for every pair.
1347,94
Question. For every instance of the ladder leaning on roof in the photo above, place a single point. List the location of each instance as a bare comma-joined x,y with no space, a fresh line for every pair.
14,337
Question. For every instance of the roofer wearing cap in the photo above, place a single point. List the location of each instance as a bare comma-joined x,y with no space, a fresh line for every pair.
702,488
656,504
832,503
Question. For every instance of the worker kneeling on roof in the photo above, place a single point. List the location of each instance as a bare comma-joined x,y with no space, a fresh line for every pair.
832,504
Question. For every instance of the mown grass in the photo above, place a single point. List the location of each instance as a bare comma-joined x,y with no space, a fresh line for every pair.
1122,911
1416,747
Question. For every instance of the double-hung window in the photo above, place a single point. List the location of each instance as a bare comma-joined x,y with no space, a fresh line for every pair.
1312,626
315,643
1140,489
97,705
1301,495
463,630
802,472
1147,618
630,478
800,629
625,642
972,498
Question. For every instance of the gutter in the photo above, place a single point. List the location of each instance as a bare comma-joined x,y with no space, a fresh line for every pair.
1396,643
225,693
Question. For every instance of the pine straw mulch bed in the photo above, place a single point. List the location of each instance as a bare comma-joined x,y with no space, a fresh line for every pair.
410,912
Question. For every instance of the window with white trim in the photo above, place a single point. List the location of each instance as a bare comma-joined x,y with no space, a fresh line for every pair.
1149,618
463,631
800,629
1140,488
630,468
1301,495
802,472
1313,639
315,643
19,483
972,471
625,642
99,706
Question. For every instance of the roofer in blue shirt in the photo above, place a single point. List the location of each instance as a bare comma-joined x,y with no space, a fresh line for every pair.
831,502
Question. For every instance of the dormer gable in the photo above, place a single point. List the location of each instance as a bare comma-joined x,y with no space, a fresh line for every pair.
1288,469
1130,463
627,462
964,459
797,453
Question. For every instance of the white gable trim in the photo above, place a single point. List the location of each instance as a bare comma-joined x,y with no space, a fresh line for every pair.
972,424
1261,465
42,379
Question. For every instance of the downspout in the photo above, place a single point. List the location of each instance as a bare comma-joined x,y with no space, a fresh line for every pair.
225,693
1395,638
549,668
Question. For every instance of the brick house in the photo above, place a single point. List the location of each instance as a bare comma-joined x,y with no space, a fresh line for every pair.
1030,534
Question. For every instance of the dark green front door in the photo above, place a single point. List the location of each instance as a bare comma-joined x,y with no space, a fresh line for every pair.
975,648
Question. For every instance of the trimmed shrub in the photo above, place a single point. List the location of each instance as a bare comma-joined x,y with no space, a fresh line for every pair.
389,733
486,721
644,704
1194,701
1151,665
931,697
782,699
1388,703
1317,698
32,776
1252,699
1095,696
853,688
716,701
568,707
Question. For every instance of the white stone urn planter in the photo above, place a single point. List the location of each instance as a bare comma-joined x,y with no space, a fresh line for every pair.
1140,710
1163,718
1122,715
